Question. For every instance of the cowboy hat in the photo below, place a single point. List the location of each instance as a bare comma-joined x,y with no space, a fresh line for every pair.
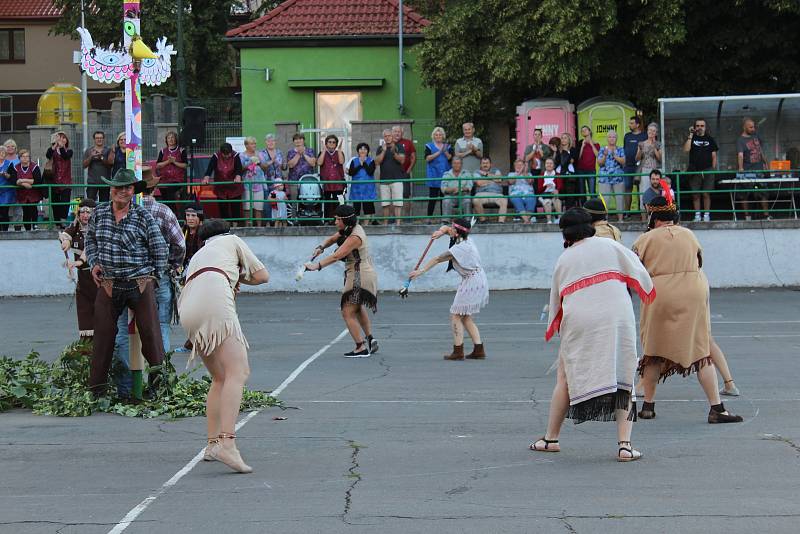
124,178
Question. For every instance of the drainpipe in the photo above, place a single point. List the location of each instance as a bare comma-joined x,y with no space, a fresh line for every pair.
84,108
401,107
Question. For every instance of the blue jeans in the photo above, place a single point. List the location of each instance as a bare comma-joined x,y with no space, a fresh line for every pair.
121,354
524,204
121,345
164,301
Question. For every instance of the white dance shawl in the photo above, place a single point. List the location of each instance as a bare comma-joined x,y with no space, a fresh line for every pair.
591,310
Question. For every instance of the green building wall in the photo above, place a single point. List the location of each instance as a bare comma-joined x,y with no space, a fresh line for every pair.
266,102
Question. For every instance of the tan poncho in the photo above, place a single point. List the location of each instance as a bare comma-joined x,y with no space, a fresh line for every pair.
676,327
591,308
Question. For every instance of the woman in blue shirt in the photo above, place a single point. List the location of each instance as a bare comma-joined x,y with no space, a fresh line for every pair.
437,158
611,158
8,193
362,184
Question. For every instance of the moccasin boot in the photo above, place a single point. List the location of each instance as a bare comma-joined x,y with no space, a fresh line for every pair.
457,354
477,353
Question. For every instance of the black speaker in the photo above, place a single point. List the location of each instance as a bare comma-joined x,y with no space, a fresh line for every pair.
194,126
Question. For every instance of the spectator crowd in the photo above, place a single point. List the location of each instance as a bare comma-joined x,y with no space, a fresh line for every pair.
267,187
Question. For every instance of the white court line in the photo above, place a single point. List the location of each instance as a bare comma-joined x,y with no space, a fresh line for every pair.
544,323
727,399
131,516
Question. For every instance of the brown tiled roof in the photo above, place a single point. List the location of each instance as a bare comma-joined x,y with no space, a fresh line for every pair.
332,18
28,9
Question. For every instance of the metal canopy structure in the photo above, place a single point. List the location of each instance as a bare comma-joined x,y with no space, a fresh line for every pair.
777,119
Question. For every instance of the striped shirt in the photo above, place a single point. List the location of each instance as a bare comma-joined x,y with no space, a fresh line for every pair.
132,248
170,229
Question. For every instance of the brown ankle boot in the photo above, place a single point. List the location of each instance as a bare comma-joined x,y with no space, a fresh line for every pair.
477,353
457,354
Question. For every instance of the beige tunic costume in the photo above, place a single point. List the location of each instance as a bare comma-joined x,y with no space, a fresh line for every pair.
206,305
360,278
604,229
675,328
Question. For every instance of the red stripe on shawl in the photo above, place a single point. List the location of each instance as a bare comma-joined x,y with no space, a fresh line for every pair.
555,326
598,278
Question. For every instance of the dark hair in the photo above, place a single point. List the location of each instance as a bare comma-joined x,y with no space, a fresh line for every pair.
226,148
637,119
555,141
461,221
596,209
359,146
298,135
87,203
700,119
331,136
101,132
661,214
213,227
347,213
656,172
575,224
487,158
538,130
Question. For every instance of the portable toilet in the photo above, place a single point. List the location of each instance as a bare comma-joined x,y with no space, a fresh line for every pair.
59,104
552,116
604,114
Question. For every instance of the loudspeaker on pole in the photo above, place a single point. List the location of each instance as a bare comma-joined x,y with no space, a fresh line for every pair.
194,126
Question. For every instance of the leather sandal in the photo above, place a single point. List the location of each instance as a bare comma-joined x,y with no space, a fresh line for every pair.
715,417
634,454
230,457
546,445
733,391
648,410
207,457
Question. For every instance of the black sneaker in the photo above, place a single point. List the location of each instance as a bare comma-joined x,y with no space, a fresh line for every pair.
373,344
364,353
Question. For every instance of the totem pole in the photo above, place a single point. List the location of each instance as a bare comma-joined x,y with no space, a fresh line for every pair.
133,64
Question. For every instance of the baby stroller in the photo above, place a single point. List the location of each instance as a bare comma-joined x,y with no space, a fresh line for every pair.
309,200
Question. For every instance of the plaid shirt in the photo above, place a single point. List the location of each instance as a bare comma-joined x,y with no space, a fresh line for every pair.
132,248
170,229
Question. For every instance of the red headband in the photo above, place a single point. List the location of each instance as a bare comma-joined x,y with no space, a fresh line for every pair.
459,227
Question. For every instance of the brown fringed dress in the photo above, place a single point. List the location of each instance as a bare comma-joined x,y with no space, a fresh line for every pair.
675,327
86,289
360,278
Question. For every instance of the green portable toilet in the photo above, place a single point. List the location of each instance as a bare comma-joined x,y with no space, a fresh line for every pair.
604,114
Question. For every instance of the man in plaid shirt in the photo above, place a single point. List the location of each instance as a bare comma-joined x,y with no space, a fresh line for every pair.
171,231
126,253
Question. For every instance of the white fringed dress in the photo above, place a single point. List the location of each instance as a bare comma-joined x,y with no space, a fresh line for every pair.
473,291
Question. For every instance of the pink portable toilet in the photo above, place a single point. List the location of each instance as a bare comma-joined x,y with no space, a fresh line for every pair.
553,116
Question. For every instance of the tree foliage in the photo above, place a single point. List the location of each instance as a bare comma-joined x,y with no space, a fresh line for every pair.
208,59
485,57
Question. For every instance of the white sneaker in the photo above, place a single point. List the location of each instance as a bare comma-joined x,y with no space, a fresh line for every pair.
748,218
697,216
707,217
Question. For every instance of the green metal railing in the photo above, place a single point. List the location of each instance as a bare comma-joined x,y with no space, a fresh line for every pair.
771,186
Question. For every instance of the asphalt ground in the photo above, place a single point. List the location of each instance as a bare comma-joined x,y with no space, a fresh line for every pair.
406,442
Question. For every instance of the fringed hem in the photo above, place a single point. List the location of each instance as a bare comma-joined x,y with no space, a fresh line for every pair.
669,368
468,309
204,343
360,297
603,408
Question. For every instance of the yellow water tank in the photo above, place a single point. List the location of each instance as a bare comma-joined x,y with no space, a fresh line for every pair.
59,104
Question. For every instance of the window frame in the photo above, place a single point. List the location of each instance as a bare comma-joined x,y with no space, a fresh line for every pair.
10,36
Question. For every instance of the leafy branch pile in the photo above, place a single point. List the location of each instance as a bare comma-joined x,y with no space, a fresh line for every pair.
60,389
